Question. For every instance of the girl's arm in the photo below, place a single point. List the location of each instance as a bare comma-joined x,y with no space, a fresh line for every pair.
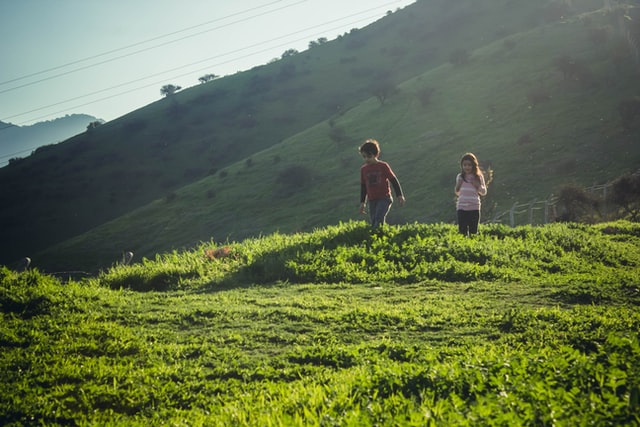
459,181
481,187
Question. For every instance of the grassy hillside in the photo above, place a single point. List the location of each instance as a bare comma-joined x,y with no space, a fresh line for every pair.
62,191
231,136
509,103
418,326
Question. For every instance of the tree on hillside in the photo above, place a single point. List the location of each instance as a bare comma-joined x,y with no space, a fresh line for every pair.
338,134
207,78
459,57
289,52
168,90
383,89
293,179
94,124
318,42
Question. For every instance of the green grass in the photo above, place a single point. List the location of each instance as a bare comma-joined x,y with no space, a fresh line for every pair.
415,326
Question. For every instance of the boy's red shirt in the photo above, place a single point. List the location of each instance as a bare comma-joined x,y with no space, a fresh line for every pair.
376,179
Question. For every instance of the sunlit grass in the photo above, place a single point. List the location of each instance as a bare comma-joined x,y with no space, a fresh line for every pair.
251,338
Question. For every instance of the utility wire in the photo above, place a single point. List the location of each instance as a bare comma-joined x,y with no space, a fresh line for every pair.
204,60
140,51
136,44
181,75
217,56
190,72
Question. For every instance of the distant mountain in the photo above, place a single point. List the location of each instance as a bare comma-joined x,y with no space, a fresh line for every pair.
20,141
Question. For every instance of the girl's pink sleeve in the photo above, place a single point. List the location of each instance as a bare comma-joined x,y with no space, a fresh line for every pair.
483,187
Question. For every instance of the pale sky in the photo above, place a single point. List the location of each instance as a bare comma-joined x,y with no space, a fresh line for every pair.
109,57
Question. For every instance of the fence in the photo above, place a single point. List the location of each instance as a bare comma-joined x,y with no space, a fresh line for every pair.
537,212
545,211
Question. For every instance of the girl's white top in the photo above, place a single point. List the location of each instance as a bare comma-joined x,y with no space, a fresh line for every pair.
469,196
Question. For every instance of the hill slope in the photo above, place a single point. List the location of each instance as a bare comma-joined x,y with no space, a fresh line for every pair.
62,191
573,134
508,101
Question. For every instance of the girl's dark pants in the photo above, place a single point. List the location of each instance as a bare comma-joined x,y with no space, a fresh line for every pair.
468,221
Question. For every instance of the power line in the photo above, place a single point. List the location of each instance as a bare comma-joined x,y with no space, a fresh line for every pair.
137,51
203,60
198,62
135,44
184,74
181,75
368,18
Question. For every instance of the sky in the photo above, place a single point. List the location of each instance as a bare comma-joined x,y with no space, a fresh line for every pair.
107,58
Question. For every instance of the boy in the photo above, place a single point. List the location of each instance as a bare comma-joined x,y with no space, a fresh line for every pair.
376,178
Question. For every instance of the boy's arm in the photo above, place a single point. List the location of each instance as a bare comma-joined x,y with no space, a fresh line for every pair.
396,186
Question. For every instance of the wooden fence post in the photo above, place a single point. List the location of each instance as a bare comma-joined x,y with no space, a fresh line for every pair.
531,205
512,214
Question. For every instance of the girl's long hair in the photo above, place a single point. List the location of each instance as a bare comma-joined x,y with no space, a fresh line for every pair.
477,171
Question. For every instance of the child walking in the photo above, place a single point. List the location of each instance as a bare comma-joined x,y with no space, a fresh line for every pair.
376,179
470,186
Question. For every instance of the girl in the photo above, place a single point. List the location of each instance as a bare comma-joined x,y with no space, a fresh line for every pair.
470,186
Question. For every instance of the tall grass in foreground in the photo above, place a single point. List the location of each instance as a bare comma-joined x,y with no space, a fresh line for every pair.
413,326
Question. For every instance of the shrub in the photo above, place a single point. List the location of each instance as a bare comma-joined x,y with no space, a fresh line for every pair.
525,139
509,43
598,36
459,57
294,178
576,204
537,96
171,197
338,134
626,194
573,70
629,110
134,126
260,84
424,95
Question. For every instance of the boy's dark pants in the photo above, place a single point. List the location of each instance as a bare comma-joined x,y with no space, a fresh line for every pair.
468,221
378,210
